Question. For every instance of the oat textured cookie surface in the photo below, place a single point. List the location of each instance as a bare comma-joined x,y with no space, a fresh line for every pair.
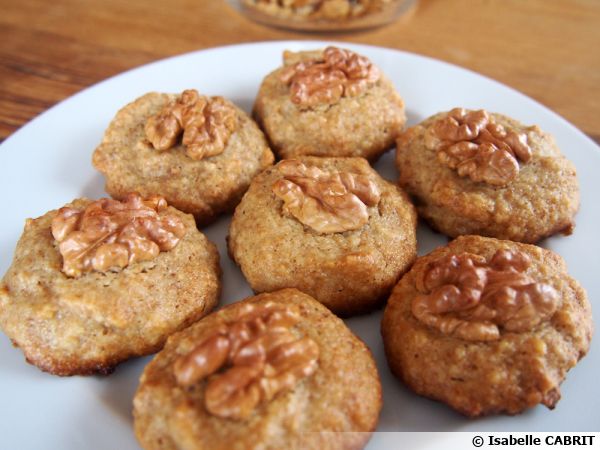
474,172
95,283
198,152
487,326
273,371
329,103
331,227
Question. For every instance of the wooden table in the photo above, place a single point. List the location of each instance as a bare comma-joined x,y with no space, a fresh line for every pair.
548,49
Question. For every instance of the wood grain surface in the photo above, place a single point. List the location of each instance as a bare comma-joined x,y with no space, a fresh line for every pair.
548,49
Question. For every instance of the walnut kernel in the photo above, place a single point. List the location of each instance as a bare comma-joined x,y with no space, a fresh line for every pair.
205,124
328,76
319,10
249,361
475,146
466,297
109,234
327,202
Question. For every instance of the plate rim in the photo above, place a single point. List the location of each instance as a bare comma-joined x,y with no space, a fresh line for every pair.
299,42
302,43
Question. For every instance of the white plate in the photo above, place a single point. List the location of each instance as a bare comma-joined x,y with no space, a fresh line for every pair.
47,163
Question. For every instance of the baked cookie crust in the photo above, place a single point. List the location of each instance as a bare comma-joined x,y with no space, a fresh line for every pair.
365,125
86,325
337,407
506,375
350,272
541,201
204,188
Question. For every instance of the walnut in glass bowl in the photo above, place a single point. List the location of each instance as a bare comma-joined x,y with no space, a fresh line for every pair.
323,15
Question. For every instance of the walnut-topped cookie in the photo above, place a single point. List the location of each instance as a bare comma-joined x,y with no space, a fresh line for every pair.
487,326
273,371
97,282
331,102
476,172
198,152
331,227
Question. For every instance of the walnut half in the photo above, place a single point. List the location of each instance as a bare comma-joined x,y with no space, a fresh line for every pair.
318,10
475,146
249,360
466,297
326,77
109,234
327,202
205,124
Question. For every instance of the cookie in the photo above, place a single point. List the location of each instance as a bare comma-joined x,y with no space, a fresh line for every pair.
487,326
198,152
97,282
273,371
331,102
474,172
331,227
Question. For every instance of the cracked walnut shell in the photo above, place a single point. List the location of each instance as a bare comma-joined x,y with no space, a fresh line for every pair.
205,124
325,201
477,147
252,359
110,234
464,296
327,76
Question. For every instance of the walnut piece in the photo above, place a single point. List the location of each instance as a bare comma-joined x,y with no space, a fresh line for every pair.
108,234
475,146
328,76
327,202
466,297
249,360
318,10
206,124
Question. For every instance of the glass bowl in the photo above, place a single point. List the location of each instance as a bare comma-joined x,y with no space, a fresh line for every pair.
323,15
